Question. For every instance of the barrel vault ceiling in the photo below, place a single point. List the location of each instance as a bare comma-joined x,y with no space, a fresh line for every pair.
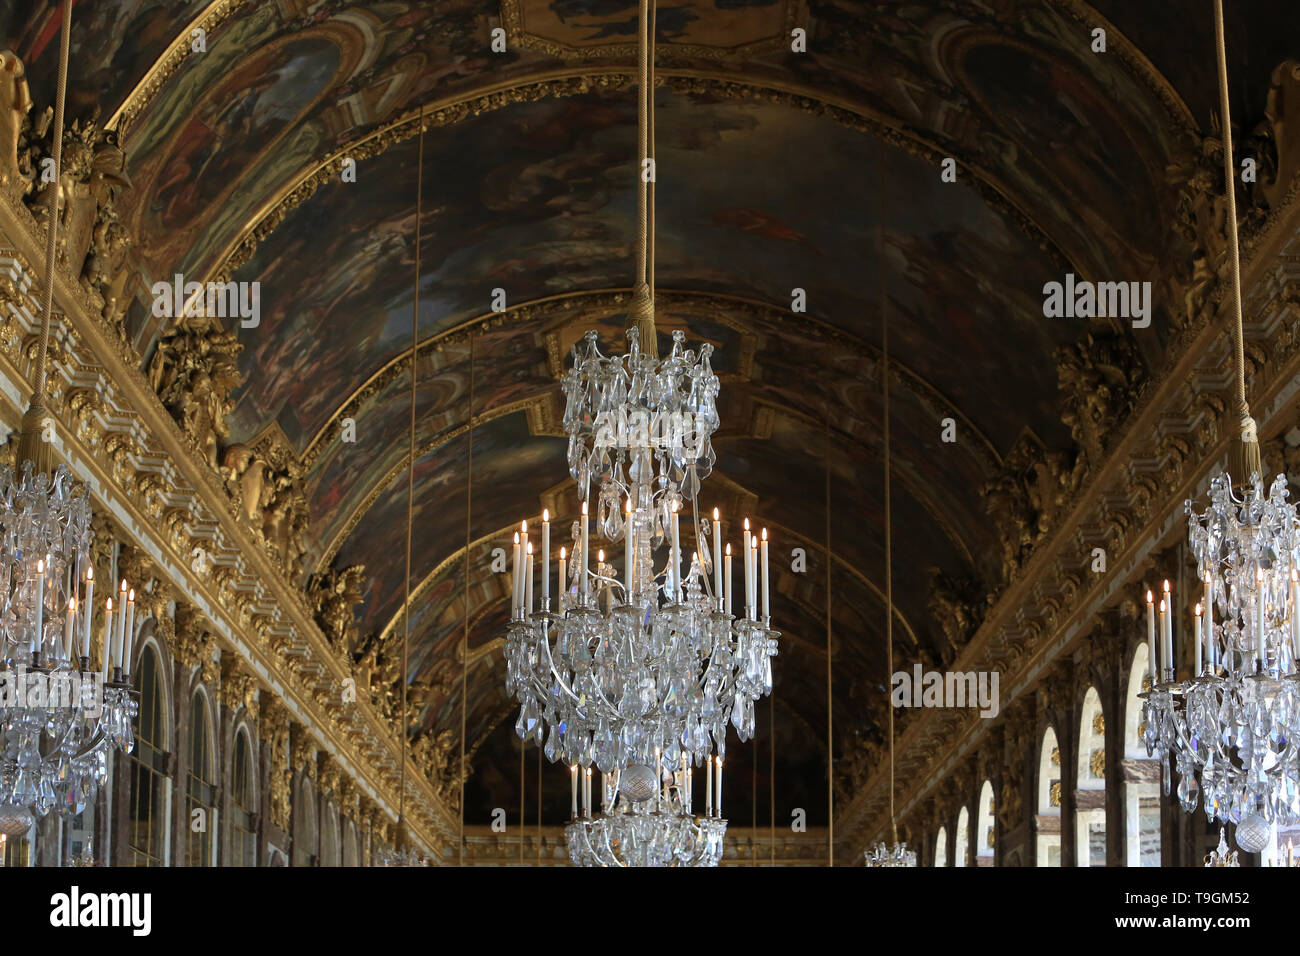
778,171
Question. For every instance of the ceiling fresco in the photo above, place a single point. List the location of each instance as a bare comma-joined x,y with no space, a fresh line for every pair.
777,171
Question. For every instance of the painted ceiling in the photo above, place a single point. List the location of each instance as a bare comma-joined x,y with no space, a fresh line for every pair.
777,171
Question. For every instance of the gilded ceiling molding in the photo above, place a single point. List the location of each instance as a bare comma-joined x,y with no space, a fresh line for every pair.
512,18
543,410
540,410
1136,62
855,116
209,19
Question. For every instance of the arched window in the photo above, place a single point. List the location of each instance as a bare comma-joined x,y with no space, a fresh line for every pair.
200,789
350,853
1048,818
243,838
1141,776
1090,798
305,826
941,848
329,850
960,848
984,829
147,815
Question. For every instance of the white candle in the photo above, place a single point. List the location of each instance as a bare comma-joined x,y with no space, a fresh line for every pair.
1197,642
546,559
562,580
718,800
129,639
749,576
1164,639
717,559
767,612
108,639
676,556
40,607
629,550
1261,653
681,787
708,786
1153,663
68,624
573,791
586,550
121,624
744,557
753,577
1167,632
1210,650
726,600
586,794
528,579
88,612
600,563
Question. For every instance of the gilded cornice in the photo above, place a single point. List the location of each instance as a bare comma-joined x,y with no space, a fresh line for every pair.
209,19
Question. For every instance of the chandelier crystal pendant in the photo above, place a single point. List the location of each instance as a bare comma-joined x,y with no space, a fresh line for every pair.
58,718
1229,730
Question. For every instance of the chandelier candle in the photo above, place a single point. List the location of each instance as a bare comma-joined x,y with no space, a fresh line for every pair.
708,788
108,639
129,638
585,551
1261,650
546,560
726,600
717,560
676,556
573,791
528,579
1197,641
89,614
629,551
767,611
40,608
563,585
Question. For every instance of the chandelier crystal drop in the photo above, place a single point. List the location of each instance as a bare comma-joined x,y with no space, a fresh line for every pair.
58,718
883,855
1229,731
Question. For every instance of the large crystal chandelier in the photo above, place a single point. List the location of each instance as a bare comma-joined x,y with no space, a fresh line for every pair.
58,717
637,673
1230,729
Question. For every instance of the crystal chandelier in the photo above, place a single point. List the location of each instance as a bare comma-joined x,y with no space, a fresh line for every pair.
58,717
646,825
638,674
898,855
1229,729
